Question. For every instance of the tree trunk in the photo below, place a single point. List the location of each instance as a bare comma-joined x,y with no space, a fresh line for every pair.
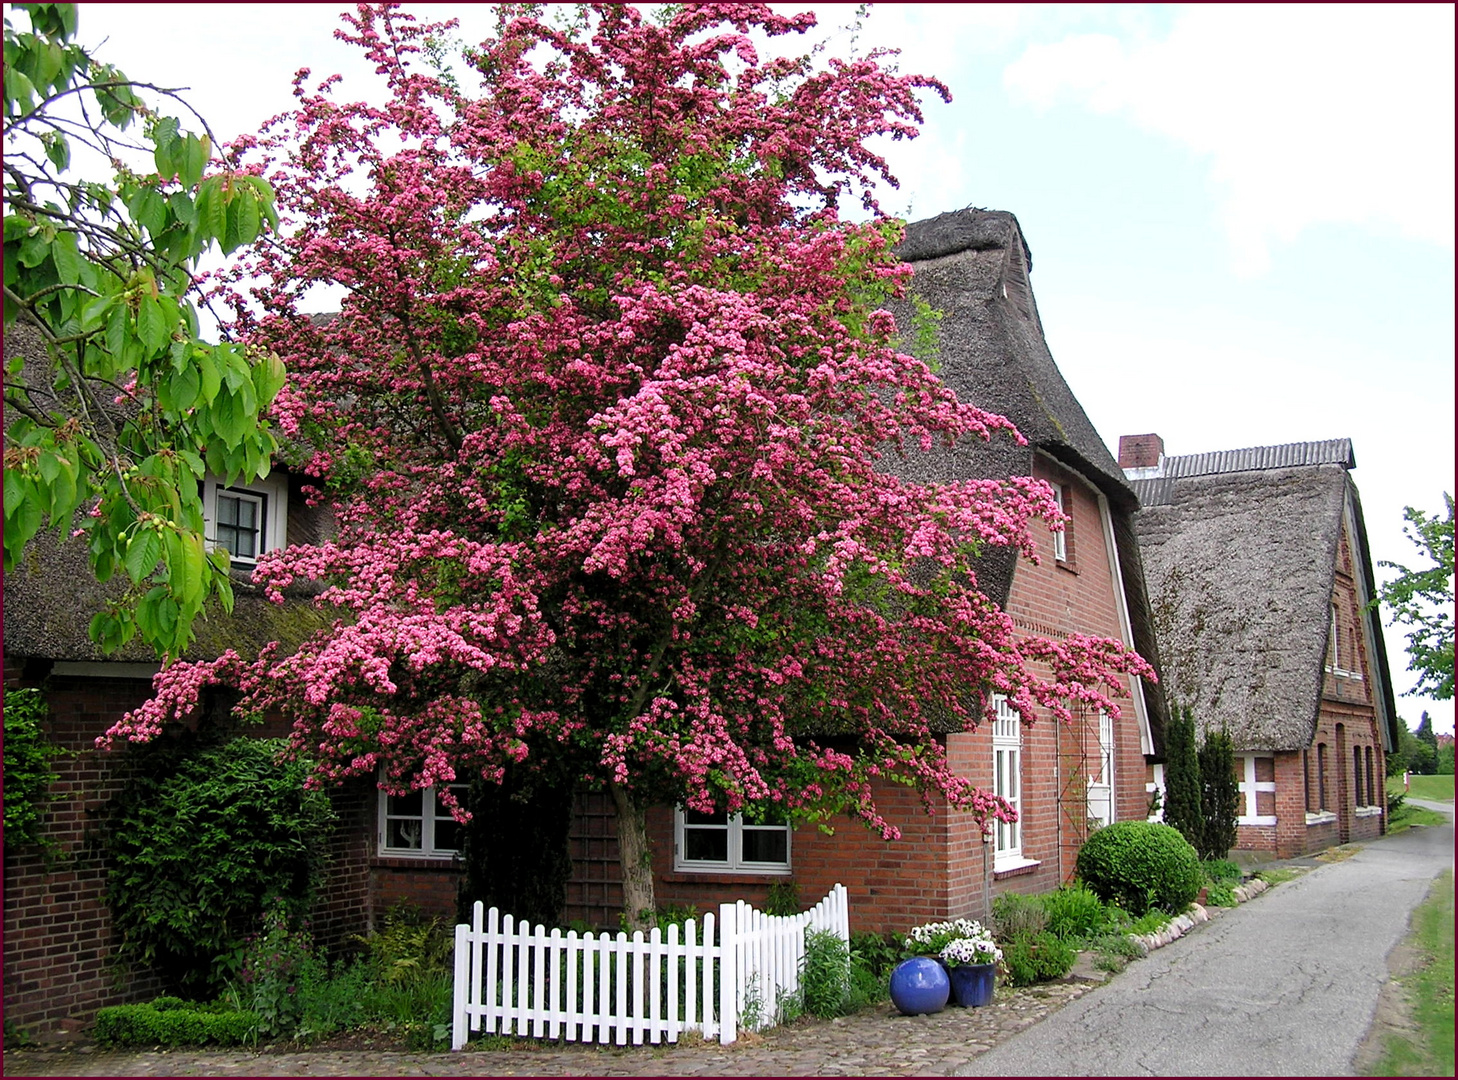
636,858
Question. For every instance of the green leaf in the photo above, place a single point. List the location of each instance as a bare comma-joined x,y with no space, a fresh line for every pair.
183,210
116,331
194,159
211,214
208,372
144,551
66,258
151,325
21,525
184,386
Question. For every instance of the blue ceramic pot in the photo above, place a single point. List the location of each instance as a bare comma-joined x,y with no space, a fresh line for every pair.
972,984
920,985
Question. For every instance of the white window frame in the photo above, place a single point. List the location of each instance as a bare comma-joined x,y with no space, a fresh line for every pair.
1101,786
271,491
1250,786
1007,782
1150,787
1060,538
735,863
430,811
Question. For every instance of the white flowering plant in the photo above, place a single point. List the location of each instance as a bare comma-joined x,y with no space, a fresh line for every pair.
971,950
929,939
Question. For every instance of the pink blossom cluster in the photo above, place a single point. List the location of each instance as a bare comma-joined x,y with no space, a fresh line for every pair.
607,416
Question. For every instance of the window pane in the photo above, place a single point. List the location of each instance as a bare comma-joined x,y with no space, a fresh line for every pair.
403,833
766,845
706,845
409,805
693,817
447,835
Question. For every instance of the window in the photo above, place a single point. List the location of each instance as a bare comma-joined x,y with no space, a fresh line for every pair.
1007,779
1060,538
1321,776
419,825
1357,776
1258,778
1372,791
1101,783
727,843
1333,645
240,519
247,519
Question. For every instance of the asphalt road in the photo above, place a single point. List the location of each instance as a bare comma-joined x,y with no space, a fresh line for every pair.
1284,986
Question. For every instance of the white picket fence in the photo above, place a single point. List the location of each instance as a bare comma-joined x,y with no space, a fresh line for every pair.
512,978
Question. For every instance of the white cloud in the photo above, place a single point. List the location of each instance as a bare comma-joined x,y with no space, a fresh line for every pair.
1309,115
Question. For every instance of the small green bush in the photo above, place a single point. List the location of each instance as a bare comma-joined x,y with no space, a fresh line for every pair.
1033,958
1074,912
1139,865
1220,896
1016,915
876,953
825,975
169,1025
1221,871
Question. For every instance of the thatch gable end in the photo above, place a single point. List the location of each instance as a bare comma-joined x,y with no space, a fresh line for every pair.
1240,569
972,266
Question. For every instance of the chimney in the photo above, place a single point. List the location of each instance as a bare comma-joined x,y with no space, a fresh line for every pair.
1141,452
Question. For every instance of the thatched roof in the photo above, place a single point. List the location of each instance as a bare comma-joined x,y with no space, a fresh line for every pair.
1240,549
973,266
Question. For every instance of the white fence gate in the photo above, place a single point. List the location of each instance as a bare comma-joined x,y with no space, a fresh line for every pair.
517,979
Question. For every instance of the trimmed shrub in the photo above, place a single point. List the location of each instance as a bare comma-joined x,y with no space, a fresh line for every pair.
1074,912
1032,958
1139,865
163,1023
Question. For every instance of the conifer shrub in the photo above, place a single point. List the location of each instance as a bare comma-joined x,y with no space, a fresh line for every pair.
1141,865
1183,804
1219,796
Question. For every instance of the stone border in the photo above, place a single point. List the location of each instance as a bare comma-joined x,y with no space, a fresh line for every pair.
1182,924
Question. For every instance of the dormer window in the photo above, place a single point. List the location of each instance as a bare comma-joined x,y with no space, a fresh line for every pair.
246,518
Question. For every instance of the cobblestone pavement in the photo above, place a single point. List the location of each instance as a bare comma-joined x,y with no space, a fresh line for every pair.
875,1042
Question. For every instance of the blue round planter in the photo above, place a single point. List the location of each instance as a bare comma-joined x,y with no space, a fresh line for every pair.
920,985
972,984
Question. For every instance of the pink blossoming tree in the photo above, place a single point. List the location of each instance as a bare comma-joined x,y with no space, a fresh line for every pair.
610,415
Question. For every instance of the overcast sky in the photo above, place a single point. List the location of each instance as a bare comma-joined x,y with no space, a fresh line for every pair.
1241,217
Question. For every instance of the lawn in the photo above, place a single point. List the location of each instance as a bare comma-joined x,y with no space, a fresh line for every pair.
1426,1049
1424,787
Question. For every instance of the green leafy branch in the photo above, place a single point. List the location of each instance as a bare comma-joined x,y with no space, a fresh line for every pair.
115,408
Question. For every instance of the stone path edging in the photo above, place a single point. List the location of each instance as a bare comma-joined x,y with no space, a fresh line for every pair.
1181,924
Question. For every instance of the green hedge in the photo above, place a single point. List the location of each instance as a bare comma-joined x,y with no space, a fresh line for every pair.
1139,865
175,1023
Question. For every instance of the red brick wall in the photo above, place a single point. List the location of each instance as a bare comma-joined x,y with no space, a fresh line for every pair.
58,933
57,928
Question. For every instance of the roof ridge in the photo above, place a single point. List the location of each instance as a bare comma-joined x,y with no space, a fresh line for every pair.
1260,458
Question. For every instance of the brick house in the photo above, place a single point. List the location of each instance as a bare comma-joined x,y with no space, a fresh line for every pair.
973,266
1259,575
